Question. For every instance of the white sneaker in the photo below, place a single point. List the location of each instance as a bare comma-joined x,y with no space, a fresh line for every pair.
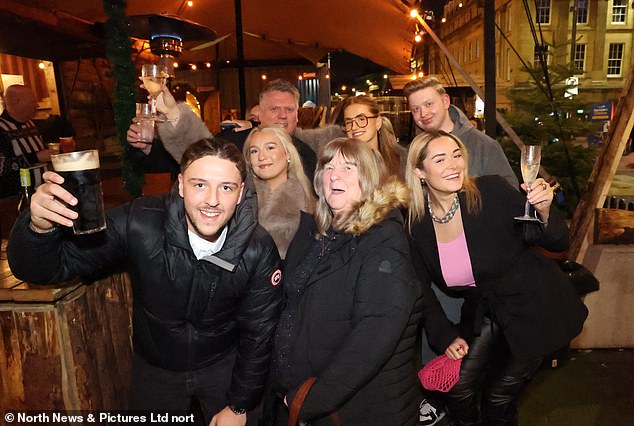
428,414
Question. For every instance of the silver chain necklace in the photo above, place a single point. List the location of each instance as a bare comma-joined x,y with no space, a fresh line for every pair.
450,214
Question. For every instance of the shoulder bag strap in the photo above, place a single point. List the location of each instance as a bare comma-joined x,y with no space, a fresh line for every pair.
299,400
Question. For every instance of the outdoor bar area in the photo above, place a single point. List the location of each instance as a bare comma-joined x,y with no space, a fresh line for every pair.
170,303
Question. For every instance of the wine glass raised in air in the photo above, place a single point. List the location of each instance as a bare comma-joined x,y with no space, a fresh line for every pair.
154,78
530,161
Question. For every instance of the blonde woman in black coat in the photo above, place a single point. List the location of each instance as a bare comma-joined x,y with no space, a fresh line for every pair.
518,306
352,299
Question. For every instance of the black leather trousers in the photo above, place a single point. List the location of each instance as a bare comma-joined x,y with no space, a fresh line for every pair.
491,380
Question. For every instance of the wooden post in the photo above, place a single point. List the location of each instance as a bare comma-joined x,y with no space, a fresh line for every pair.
603,172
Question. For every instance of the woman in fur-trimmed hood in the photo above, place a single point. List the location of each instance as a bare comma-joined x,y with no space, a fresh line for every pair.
352,300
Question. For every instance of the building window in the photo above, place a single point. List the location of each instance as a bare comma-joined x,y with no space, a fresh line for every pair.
580,56
542,12
544,49
615,59
619,11
582,11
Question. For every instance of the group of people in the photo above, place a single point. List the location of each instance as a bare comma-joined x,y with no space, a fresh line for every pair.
280,281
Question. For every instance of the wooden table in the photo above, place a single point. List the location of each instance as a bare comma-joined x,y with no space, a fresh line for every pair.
64,347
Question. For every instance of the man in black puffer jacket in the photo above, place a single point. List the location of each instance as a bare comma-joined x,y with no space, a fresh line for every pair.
205,278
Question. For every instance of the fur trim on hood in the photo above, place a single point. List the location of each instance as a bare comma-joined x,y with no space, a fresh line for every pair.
391,195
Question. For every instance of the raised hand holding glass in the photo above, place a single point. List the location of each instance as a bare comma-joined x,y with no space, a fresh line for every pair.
529,163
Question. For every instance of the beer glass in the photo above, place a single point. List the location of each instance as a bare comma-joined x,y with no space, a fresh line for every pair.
80,170
67,144
54,147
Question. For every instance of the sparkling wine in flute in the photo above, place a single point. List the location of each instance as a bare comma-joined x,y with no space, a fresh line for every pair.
529,164
529,172
154,78
154,85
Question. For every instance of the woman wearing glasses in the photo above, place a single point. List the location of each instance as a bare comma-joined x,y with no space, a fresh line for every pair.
362,121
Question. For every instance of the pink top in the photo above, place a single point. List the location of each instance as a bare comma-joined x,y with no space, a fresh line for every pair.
455,262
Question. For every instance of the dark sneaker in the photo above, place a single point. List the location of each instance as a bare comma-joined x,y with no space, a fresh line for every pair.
428,414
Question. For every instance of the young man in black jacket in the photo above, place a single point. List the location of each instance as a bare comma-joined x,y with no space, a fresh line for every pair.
205,279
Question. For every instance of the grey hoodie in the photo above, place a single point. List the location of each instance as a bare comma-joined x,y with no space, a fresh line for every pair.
486,156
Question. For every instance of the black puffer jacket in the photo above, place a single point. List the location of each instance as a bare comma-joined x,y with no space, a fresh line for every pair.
352,324
188,313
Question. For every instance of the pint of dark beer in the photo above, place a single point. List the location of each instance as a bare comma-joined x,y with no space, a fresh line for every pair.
80,171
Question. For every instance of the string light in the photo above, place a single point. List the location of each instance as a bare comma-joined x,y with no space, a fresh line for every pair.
264,77
385,76
41,65
194,67
300,78
344,88
190,3
175,64
418,37
413,13
208,64
413,77
443,20
420,74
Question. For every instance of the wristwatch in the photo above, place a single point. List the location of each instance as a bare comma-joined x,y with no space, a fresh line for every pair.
237,410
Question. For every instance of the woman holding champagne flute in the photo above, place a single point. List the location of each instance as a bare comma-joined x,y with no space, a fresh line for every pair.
518,305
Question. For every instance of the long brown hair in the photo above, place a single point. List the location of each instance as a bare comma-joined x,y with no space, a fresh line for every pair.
387,138
418,151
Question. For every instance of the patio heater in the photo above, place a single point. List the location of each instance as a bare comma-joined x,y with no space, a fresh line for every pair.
166,34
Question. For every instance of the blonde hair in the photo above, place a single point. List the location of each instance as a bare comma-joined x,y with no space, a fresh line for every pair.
372,174
294,170
418,151
423,83
387,138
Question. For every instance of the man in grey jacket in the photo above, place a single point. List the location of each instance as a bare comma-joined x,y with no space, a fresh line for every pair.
432,110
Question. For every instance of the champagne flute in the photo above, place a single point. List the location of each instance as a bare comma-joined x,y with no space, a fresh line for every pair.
154,78
530,161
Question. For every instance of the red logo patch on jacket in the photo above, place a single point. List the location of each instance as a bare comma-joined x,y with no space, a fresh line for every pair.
276,277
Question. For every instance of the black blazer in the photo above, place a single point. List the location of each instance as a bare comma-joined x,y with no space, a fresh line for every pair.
519,288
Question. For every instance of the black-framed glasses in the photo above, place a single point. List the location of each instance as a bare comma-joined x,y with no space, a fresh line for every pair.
360,120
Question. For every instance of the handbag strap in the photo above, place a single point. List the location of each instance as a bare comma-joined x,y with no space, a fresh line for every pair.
299,400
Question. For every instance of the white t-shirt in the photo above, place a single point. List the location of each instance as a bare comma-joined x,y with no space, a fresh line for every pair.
203,248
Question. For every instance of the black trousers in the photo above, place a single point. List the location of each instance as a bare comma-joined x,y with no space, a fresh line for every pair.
157,390
491,380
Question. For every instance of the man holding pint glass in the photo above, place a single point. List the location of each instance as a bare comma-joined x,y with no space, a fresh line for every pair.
205,278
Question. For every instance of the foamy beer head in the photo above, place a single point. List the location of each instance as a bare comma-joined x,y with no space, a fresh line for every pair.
76,161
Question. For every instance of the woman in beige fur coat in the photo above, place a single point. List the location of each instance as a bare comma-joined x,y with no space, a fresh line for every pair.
281,185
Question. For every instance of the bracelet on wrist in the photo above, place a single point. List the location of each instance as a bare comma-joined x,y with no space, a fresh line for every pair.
238,411
39,230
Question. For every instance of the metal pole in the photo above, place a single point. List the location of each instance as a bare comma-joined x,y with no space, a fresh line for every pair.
240,46
573,38
489,68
